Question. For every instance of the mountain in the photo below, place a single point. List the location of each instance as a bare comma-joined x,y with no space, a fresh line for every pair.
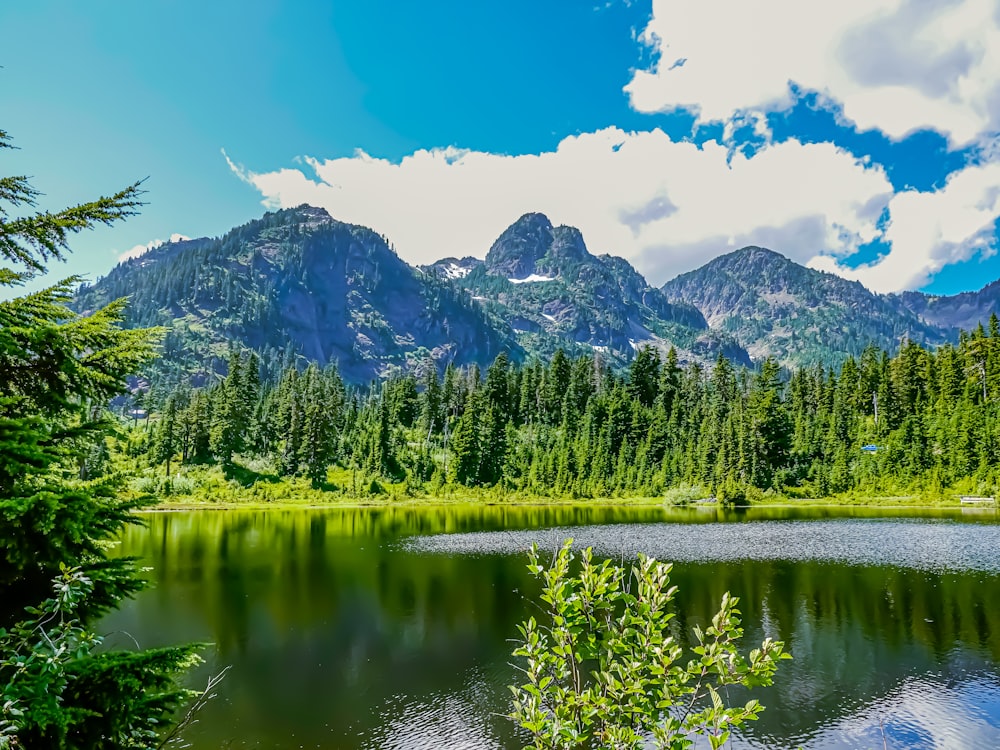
553,292
298,283
962,311
775,307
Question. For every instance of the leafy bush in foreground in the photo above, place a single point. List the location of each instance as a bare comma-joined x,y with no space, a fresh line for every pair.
605,670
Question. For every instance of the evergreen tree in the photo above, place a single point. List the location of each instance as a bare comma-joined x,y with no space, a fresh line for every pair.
232,407
770,429
466,446
166,436
57,372
644,376
554,387
289,422
320,413
430,403
197,420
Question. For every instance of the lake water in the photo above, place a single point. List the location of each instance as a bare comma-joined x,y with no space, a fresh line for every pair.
390,628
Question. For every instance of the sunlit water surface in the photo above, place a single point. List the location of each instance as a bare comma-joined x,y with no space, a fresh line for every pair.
390,628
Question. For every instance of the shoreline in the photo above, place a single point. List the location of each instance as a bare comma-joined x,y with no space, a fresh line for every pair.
900,502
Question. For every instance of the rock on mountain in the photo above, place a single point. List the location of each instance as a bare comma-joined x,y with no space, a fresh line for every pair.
298,283
776,307
553,292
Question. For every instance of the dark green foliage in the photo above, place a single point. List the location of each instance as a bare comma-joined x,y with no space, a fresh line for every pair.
58,371
467,443
644,376
321,404
62,692
573,427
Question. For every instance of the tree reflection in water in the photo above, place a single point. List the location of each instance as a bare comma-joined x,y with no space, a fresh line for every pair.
343,636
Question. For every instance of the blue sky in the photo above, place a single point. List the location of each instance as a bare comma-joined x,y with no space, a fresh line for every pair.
862,140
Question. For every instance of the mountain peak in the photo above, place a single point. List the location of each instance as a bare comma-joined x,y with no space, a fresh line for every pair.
752,265
803,317
298,284
516,251
309,213
568,244
757,253
532,221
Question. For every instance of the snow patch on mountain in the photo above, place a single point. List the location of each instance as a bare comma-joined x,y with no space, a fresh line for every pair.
535,277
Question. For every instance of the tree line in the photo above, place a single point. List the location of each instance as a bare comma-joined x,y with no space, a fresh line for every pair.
915,421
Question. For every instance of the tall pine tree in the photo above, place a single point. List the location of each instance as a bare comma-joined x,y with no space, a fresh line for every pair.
57,372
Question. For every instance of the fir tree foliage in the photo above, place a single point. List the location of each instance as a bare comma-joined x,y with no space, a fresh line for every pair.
57,372
573,427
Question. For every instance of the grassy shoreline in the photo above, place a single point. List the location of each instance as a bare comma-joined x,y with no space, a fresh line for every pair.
218,488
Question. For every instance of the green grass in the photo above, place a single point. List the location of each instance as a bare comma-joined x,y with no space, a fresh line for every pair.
242,486
256,482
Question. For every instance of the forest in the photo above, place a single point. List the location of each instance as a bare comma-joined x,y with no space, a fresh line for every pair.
916,422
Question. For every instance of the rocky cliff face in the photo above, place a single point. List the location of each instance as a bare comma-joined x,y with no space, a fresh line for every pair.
962,311
297,283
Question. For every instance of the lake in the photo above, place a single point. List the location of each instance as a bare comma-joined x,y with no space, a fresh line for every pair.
391,627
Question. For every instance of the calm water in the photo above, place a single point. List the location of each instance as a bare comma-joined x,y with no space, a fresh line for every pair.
390,628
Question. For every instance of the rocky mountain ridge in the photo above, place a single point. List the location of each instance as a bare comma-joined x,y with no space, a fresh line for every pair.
777,308
554,293
298,284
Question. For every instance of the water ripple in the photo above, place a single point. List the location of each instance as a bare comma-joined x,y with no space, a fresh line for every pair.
933,546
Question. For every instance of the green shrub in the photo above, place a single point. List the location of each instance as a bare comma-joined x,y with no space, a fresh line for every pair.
684,494
604,669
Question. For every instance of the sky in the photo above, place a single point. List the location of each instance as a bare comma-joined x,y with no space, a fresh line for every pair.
860,137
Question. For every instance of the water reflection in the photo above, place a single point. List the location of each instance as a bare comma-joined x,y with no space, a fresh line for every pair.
344,634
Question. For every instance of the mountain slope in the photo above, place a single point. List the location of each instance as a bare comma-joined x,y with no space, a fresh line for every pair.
555,293
775,307
297,283
964,311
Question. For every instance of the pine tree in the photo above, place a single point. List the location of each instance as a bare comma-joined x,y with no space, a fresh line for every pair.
770,429
57,372
166,436
466,444
232,407
320,413
644,376
430,403
289,422
554,388
198,419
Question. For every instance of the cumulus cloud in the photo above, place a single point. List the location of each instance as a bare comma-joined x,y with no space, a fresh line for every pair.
667,206
928,231
137,250
894,65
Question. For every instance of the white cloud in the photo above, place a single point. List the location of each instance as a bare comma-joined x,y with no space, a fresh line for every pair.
666,206
928,231
895,65
137,250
